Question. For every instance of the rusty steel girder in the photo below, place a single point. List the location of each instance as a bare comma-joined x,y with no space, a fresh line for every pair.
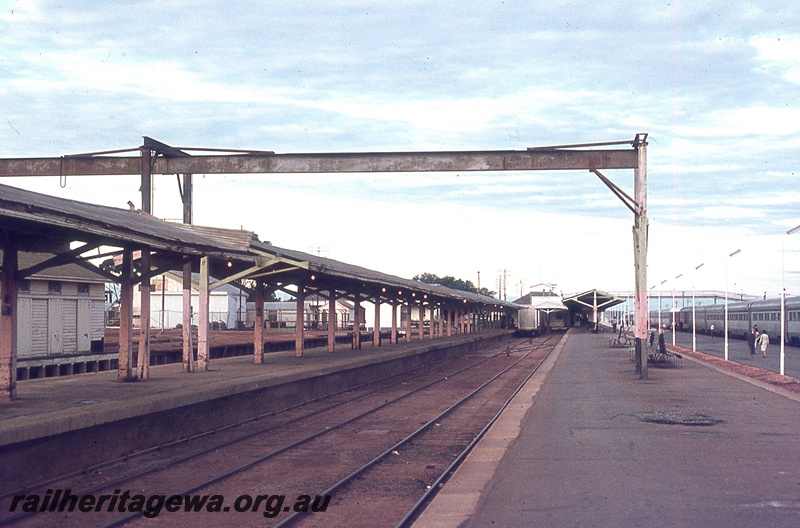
502,160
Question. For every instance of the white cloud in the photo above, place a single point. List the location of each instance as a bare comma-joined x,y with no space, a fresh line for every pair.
780,54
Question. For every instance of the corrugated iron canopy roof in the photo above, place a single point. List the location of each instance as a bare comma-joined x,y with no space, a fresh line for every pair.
56,221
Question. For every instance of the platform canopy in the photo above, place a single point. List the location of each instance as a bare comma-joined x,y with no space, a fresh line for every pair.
592,300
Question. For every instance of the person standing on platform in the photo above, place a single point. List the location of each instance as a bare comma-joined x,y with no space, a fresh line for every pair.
763,341
751,341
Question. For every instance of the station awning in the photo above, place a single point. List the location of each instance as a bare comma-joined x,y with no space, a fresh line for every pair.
593,300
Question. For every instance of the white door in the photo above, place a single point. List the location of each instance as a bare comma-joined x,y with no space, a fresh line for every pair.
55,326
84,325
24,347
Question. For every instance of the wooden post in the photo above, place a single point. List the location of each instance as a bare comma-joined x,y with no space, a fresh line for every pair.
143,359
299,322
332,320
394,322
450,320
376,333
258,324
203,317
188,345
357,321
432,327
8,321
408,322
125,366
640,258
421,311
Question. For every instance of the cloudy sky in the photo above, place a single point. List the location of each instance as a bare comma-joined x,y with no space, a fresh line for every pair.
716,85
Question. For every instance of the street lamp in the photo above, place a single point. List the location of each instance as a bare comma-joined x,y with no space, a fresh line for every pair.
694,317
659,302
726,300
673,309
783,297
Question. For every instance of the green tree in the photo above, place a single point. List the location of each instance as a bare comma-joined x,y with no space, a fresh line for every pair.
451,282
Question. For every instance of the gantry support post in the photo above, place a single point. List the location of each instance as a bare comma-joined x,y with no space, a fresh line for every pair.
8,320
640,255
188,345
147,180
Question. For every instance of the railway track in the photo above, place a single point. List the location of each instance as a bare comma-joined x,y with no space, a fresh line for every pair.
369,456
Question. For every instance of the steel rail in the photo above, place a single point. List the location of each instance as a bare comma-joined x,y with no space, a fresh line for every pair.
123,520
295,516
423,501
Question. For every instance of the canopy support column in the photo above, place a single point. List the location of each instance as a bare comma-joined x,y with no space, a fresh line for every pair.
299,322
408,322
258,324
203,318
332,321
143,359
8,321
394,323
376,334
188,345
125,366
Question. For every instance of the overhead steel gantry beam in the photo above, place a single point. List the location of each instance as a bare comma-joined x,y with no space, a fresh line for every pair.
534,159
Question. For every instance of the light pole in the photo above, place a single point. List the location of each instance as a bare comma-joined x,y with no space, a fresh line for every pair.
659,302
783,297
673,308
649,322
694,317
726,301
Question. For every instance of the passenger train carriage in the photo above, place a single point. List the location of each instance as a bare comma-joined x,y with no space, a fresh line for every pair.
742,316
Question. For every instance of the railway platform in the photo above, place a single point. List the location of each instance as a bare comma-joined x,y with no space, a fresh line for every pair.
586,443
71,422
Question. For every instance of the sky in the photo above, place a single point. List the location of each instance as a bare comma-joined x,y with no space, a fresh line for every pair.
716,85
